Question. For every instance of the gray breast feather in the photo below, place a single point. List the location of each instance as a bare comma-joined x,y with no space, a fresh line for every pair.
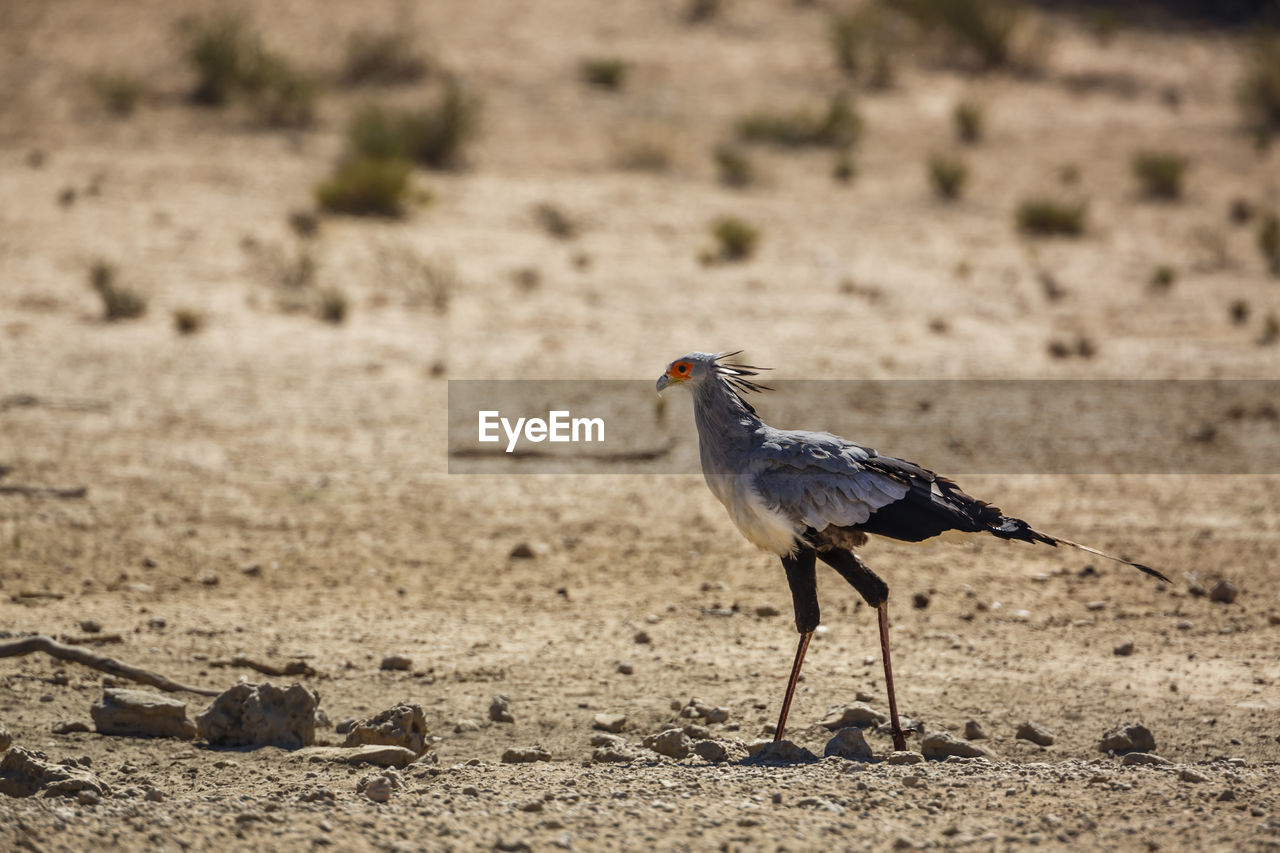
822,480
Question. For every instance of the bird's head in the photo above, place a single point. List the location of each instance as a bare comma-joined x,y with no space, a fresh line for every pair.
696,368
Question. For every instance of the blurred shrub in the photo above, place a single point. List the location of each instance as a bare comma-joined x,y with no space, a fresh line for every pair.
555,221
982,28
229,60
435,136
1160,173
187,321
383,58
1269,241
367,186
838,127
736,240
603,73
862,42
333,306
1163,277
645,153
118,302
118,92
969,121
948,175
1046,217
1259,92
844,169
733,166
701,11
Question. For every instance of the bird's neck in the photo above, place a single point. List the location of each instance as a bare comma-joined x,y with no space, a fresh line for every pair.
721,414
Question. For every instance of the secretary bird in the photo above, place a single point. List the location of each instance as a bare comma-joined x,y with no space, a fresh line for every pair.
813,495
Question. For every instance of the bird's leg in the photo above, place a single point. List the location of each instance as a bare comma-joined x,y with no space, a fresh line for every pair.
791,684
899,742
876,593
804,597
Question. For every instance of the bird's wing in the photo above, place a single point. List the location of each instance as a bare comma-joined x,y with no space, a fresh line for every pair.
821,480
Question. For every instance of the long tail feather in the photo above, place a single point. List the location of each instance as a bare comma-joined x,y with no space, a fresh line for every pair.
1139,566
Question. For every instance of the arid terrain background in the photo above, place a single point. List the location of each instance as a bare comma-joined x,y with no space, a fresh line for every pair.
264,451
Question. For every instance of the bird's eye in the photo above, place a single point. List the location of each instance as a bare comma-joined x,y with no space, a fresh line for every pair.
682,369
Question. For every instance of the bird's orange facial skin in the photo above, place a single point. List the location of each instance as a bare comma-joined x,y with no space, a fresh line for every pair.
679,371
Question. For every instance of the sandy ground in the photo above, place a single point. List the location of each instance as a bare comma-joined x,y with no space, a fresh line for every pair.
316,453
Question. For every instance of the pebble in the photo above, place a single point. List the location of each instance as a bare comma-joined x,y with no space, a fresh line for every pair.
1190,774
766,611
66,727
944,744
403,725
154,795
500,710
920,600
848,743
697,732
710,750
534,805
6,739
819,803
522,551
643,638
973,731
1224,592
904,757
378,789
1124,649
673,743
1183,625
715,715
1035,733
913,781
1143,758
602,739
1096,605
858,714
141,713
1128,737
90,626
396,663
1227,796
626,668
609,722
470,791
466,725
525,755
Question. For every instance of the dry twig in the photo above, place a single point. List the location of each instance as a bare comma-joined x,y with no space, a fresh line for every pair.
51,647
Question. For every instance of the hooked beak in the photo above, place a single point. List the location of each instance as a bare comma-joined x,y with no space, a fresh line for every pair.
663,381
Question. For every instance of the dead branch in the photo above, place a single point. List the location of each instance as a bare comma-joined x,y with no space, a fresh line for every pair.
51,647
293,667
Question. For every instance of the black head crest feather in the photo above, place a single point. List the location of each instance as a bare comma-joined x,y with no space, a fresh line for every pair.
735,374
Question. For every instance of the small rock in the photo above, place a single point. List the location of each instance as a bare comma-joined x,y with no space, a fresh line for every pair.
766,611
65,727
1224,592
613,753
154,796
602,739
973,731
345,726
251,570
1036,733
715,715
401,725
378,789
525,755
673,743
1096,605
1190,774
534,805
756,746
87,797
848,743
913,781
819,803
157,623
500,710
1124,649
643,638
920,600
1143,758
24,773
396,663
1197,589
6,739
696,732
375,754
512,845
939,745
858,714
1227,796
904,757
90,626
141,713
466,725
710,750
626,668
262,714
782,752
522,551
609,722
1183,625
1128,737
1273,618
